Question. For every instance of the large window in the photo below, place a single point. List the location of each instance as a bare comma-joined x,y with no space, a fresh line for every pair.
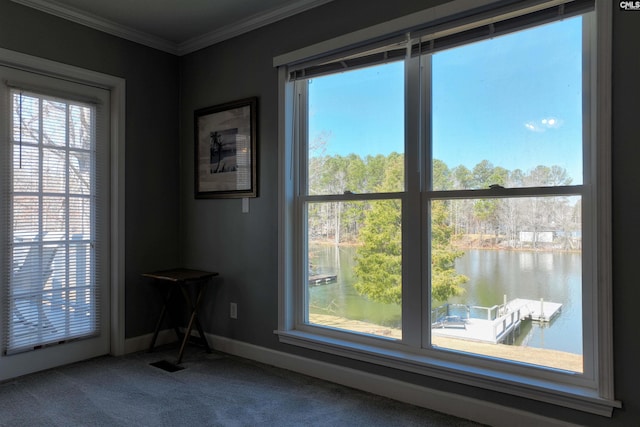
508,122
355,177
442,198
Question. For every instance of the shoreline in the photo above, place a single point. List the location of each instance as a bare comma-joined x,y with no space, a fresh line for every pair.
530,355
462,247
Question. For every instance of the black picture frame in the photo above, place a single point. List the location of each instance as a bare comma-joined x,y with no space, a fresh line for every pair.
225,150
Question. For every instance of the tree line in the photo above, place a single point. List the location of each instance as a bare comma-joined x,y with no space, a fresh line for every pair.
531,222
507,222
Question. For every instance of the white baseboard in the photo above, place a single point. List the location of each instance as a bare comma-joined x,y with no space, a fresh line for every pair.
460,406
141,343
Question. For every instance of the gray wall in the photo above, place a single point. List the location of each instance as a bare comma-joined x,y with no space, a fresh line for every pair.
152,171
243,247
166,226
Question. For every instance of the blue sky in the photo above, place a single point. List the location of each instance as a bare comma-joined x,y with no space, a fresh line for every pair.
496,100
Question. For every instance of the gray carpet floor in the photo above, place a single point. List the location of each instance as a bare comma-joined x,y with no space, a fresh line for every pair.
213,390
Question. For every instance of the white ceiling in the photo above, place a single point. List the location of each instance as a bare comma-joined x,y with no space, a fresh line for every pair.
175,26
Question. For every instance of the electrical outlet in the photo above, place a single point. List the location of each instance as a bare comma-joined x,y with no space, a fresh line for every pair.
233,310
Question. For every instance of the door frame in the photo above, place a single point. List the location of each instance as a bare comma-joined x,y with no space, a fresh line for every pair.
117,88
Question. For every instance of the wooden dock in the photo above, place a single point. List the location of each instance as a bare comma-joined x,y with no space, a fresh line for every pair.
322,279
501,322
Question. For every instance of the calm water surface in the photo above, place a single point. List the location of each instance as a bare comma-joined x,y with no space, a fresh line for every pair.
555,277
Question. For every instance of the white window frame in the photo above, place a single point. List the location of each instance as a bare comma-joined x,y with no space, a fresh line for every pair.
591,392
117,88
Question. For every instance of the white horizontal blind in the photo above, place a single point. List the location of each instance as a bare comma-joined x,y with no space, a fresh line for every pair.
478,25
378,53
52,295
497,22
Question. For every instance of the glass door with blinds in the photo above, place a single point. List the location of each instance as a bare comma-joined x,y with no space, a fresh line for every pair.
54,220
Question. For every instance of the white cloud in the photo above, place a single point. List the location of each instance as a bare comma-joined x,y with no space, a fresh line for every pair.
543,124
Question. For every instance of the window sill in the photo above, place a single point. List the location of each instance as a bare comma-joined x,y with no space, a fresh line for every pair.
569,396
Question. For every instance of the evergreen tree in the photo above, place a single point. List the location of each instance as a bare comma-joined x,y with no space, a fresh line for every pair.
378,265
445,280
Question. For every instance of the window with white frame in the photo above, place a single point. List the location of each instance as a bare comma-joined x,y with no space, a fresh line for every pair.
353,187
444,193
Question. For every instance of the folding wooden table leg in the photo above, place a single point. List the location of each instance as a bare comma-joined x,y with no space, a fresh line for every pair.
163,312
193,319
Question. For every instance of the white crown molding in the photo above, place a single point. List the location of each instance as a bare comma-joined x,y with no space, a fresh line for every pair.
52,7
97,23
251,23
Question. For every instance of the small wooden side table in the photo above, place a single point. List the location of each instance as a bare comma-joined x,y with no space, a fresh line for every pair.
181,278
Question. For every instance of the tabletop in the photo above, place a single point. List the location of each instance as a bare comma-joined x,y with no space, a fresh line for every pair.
179,275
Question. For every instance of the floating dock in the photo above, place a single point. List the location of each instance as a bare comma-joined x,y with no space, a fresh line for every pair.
496,324
536,310
322,279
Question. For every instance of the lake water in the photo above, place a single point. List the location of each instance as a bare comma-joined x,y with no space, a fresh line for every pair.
555,277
